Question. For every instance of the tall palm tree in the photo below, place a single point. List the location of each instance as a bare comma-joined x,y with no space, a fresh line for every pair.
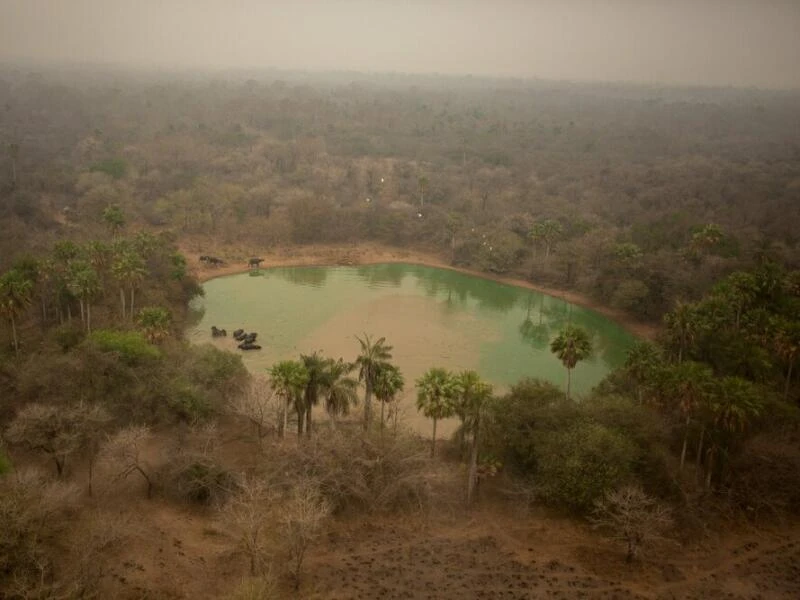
689,385
571,346
681,325
436,391
786,343
472,396
288,378
16,293
389,383
317,368
643,360
374,355
734,405
84,284
129,270
340,390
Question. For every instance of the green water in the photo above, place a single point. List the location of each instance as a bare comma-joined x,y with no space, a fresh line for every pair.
432,317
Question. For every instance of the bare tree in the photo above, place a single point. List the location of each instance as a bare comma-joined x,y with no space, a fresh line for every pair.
631,516
58,431
123,450
247,516
258,405
300,522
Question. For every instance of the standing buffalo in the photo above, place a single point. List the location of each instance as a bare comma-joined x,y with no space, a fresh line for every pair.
254,263
218,332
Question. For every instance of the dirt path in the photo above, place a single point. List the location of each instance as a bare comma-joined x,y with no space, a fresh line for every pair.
367,253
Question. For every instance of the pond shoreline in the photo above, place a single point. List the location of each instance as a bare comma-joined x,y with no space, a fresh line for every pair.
370,254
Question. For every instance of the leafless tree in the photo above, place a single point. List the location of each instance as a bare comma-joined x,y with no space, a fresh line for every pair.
631,516
123,451
258,405
247,516
301,519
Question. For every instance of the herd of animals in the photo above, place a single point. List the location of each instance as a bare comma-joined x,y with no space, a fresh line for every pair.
213,261
247,341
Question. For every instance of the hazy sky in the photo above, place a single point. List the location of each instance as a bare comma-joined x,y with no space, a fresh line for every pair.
739,42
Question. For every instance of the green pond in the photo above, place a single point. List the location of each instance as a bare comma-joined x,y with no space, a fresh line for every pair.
432,317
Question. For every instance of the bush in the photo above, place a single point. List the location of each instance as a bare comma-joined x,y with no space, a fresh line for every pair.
579,465
5,463
130,346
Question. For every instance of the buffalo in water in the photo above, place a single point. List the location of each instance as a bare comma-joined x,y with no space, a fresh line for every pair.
250,337
218,332
249,346
239,334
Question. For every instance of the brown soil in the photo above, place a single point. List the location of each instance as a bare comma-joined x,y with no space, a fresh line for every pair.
490,553
368,253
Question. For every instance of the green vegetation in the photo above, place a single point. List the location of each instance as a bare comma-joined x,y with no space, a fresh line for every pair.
670,205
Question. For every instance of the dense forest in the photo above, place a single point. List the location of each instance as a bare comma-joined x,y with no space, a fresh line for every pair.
678,206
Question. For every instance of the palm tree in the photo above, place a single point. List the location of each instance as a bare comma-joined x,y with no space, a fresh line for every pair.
374,355
15,296
154,322
472,396
339,389
689,384
641,364
389,383
114,218
571,346
288,378
681,326
436,391
129,270
84,284
317,368
735,403
786,342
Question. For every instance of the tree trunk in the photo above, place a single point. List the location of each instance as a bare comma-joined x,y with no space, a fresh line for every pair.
699,457
130,308
433,440
382,405
569,381
472,480
88,317
367,404
14,335
83,313
685,442
788,381
44,310
709,468
308,421
122,301
300,421
285,419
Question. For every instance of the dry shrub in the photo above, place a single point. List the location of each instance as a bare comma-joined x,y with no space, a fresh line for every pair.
765,480
255,588
247,516
300,521
357,471
194,472
258,404
34,511
124,452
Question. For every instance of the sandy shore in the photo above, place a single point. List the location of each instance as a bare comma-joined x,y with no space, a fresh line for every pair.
367,253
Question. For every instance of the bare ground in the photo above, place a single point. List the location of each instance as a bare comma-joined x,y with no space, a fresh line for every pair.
489,553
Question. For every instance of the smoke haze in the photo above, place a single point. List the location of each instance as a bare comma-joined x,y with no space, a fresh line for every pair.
710,42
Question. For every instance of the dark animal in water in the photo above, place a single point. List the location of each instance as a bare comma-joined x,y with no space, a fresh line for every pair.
250,337
249,346
239,334
218,332
254,263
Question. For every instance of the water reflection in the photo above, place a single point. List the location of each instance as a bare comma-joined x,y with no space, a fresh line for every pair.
310,276
381,275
